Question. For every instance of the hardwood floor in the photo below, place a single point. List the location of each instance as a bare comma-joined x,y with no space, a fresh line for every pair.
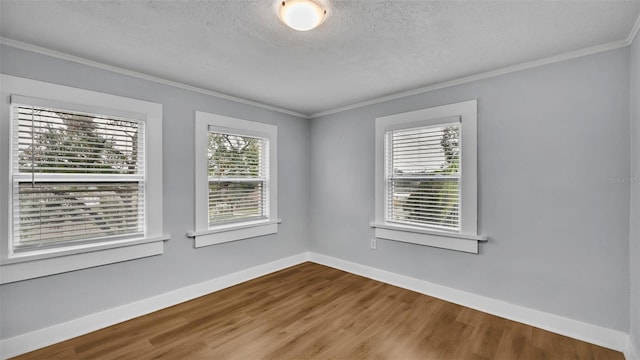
311,311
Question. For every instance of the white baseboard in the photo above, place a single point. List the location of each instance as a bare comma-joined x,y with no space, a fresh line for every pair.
609,338
605,337
40,338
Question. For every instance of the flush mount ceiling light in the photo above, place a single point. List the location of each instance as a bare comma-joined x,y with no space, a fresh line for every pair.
301,15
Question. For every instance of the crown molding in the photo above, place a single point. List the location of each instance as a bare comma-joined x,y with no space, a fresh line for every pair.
485,75
480,76
497,72
139,75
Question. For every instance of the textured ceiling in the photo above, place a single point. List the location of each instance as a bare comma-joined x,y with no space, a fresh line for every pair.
364,50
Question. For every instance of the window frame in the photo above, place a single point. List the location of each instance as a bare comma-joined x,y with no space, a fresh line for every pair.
205,235
42,262
467,238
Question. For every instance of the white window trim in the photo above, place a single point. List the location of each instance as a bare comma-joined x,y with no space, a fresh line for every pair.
203,235
467,239
17,267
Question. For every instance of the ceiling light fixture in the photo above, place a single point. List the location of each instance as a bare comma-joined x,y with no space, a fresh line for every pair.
301,15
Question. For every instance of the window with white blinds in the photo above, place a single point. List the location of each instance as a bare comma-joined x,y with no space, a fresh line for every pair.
77,177
422,176
427,177
236,179
238,174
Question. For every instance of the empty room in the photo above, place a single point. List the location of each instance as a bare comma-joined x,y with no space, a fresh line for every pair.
320,179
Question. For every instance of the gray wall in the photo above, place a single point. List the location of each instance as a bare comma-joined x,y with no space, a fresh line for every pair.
30,305
551,141
635,194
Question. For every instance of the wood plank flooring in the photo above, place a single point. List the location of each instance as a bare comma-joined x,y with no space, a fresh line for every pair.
310,311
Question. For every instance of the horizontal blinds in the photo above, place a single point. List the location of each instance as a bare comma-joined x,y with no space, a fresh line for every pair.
422,170
56,141
50,213
238,176
77,177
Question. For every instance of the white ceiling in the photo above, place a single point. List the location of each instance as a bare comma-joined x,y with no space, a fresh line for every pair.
364,50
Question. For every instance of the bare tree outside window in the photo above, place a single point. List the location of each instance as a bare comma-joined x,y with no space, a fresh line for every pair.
237,181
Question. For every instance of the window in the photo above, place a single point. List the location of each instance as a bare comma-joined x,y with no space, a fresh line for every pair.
80,179
237,174
77,177
422,173
235,179
426,177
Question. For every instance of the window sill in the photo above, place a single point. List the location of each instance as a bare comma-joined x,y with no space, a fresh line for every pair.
441,239
57,261
229,233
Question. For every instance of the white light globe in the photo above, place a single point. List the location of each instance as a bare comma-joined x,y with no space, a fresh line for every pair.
301,15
